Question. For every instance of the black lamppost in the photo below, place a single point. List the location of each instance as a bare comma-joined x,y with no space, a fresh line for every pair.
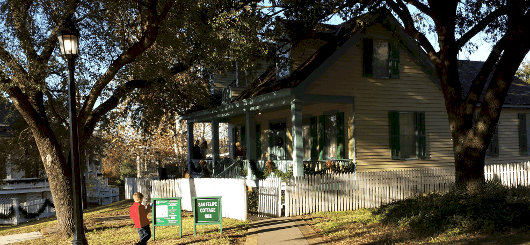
69,43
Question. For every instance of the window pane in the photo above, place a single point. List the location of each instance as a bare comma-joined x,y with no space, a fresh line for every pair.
381,66
407,139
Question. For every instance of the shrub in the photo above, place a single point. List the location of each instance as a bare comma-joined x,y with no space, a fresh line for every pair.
497,208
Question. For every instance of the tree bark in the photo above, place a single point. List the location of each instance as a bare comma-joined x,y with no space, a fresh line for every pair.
58,171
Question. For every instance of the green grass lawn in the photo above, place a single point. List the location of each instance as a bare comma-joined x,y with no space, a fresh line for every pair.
123,232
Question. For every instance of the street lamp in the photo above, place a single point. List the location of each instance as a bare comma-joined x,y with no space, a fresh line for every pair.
69,43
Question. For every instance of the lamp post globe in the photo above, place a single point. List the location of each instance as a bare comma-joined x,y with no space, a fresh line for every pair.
68,37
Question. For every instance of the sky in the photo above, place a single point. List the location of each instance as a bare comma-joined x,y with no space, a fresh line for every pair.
480,54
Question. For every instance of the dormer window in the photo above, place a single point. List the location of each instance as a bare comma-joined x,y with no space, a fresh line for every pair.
380,59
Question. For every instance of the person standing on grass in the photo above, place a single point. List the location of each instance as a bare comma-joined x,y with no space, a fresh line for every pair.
139,215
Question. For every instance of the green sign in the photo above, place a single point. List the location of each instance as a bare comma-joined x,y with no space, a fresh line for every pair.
207,211
166,212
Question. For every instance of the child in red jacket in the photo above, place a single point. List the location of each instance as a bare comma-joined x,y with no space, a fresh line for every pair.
139,215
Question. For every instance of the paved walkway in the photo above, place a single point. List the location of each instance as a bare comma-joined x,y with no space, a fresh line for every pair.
279,231
19,237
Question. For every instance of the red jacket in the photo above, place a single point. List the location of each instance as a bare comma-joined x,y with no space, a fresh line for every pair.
139,215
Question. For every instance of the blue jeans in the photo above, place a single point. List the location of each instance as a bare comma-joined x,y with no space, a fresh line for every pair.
145,234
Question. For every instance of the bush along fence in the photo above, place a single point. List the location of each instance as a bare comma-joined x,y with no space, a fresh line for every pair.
17,213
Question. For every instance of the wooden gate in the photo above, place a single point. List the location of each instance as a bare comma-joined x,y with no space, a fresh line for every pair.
269,197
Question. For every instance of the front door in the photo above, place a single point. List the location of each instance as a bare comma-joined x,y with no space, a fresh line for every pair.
277,142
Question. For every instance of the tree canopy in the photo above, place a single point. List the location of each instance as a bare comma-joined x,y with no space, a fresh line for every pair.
155,57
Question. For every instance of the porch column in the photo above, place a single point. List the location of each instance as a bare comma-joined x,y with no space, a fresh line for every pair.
231,141
250,129
215,140
298,143
190,144
354,142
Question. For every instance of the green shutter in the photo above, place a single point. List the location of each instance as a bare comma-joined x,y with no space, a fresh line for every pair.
368,53
243,132
495,143
340,136
523,135
314,137
420,134
258,141
394,133
394,61
321,136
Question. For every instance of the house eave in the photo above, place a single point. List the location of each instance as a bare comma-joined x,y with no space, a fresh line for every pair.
261,102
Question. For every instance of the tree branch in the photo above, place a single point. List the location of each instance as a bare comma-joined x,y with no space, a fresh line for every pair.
480,80
14,65
20,10
147,39
402,11
51,41
52,107
483,23
420,6
111,103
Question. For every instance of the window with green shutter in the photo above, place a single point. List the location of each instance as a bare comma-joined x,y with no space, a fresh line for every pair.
407,135
380,59
341,137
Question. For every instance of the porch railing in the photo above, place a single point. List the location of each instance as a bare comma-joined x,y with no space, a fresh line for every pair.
229,168
340,164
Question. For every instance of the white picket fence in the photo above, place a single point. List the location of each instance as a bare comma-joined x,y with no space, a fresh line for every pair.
269,197
30,207
351,191
232,192
339,192
509,174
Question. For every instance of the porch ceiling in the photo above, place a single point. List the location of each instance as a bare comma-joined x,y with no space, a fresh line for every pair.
275,100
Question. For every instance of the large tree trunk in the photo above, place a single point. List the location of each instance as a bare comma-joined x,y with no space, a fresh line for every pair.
59,175
57,169
469,152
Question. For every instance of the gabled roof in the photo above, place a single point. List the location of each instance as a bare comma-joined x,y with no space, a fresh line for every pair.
518,94
338,43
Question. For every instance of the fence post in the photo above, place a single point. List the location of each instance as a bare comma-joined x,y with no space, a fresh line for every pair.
15,208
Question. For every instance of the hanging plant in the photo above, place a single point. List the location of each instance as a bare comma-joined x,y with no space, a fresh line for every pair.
270,165
329,165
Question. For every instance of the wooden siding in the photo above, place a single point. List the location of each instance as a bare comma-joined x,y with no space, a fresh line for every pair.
508,138
374,98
